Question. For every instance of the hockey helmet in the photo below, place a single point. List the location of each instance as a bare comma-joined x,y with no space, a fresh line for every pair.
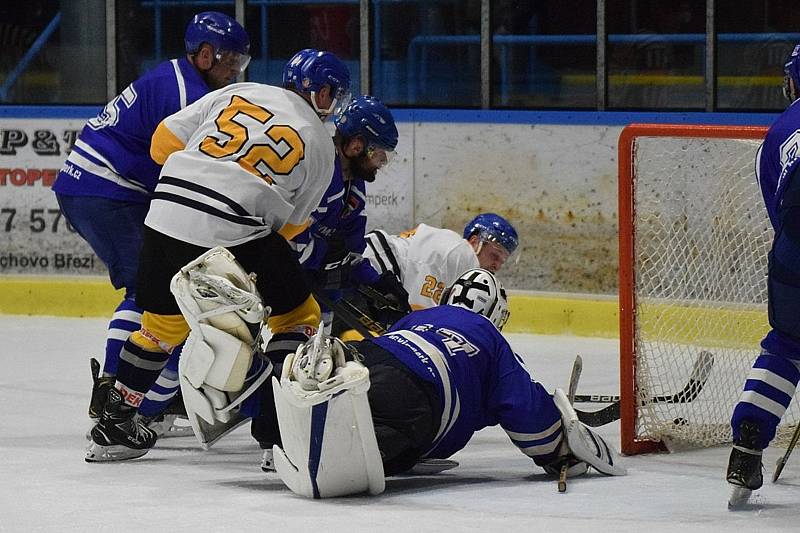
493,228
791,71
229,40
309,70
368,117
479,291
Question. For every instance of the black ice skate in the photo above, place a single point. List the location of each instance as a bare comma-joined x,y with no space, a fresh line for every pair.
744,467
120,434
100,386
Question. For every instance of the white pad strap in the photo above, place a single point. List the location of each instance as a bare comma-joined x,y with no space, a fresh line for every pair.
585,444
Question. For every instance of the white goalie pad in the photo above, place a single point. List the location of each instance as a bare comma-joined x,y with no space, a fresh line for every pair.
585,444
221,304
329,444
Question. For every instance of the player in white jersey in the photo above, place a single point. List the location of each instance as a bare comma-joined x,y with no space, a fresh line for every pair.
428,259
243,167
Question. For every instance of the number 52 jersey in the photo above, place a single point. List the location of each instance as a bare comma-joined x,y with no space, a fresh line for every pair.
240,163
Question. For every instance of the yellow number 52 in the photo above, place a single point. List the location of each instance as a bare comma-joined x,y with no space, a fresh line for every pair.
260,159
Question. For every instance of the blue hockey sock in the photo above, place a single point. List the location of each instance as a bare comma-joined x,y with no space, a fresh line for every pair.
127,319
767,393
164,389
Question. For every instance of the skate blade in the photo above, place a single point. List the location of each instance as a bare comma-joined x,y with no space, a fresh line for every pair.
97,453
426,467
739,497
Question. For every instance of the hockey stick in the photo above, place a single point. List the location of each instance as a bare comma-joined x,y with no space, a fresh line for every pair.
697,380
572,388
372,294
782,460
352,316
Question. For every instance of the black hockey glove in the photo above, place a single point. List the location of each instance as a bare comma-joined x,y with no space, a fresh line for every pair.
389,286
335,272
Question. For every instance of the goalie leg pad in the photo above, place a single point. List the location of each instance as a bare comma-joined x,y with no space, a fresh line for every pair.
583,443
329,444
214,289
216,358
225,313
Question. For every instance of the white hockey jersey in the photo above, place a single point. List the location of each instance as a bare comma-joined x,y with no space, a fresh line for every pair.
426,259
241,162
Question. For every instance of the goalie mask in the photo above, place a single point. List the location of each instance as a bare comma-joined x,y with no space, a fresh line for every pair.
479,291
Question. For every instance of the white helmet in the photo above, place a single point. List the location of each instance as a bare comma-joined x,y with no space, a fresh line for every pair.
479,291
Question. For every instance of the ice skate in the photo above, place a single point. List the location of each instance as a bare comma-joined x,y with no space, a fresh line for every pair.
120,434
267,461
173,422
744,467
100,386
168,426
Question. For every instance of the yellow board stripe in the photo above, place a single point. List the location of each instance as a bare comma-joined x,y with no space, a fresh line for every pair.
54,296
531,312
563,314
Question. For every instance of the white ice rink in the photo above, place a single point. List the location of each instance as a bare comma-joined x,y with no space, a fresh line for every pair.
45,485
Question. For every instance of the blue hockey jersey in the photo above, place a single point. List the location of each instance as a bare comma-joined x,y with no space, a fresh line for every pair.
111,157
777,159
338,221
481,381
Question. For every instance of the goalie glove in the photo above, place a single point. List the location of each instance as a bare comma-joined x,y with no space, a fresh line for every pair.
582,447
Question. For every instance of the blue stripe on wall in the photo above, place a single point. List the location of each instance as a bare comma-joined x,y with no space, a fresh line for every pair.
608,118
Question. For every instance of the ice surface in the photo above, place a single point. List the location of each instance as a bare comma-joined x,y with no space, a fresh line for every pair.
45,485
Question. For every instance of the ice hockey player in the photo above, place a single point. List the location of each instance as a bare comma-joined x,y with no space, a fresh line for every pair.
225,184
331,248
106,184
428,259
438,376
771,383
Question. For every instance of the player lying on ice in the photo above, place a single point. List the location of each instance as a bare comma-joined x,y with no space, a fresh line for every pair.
353,413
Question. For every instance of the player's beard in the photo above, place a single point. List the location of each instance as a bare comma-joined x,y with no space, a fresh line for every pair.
359,167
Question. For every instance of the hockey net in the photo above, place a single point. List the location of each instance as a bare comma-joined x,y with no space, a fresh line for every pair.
694,239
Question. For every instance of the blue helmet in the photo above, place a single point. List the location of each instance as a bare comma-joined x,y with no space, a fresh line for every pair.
493,228
217,29
367,116
791,71
309,70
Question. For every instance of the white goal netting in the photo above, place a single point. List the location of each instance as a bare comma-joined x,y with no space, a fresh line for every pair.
701,239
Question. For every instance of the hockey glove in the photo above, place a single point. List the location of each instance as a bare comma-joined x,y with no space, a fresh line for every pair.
389,286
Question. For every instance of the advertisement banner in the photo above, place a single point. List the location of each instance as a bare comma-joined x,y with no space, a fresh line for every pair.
34,237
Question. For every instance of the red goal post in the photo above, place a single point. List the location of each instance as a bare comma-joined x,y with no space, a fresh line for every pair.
679,288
